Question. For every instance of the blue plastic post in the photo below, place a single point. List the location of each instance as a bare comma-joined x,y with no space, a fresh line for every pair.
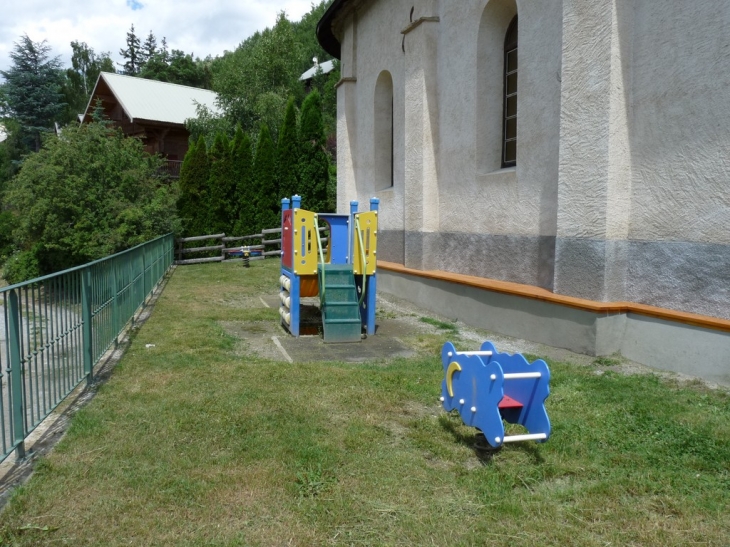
294,296
294,308
370,300
296,202
372,284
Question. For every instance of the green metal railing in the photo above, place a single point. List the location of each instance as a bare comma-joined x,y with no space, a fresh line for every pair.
58,327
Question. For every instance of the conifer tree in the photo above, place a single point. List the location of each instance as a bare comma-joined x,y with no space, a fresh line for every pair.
221,186
313,161
132,54
32,90
264,178
191,205
148,49
243,200
185,198
287,153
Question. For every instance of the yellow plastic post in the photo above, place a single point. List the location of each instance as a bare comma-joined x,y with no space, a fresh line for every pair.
368,226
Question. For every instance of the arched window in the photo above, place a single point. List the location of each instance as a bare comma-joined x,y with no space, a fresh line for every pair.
383,131
509,129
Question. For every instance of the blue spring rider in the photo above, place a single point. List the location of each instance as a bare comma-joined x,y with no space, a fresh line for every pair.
489,388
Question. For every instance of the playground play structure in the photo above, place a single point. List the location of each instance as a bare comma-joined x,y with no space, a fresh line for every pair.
489,388
342,273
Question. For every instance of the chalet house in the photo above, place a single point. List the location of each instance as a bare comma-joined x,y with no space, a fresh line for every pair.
152,111
551,169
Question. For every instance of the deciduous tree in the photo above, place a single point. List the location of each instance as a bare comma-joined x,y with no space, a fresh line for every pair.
86,195
177,67
86,65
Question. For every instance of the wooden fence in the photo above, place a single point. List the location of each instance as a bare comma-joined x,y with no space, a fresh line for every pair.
225,247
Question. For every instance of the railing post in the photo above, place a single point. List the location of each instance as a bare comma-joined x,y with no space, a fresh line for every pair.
86,317
16,375
223,250
144,276
115,304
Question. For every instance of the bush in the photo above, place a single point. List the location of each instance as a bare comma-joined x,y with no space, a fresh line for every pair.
21,266
87,194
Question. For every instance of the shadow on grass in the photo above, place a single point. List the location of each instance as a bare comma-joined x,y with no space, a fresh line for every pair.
474,439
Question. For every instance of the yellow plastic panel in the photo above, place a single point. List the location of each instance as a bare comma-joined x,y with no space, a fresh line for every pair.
305,242
368,224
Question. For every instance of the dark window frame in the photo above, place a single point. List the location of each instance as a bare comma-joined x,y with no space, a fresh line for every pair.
509,95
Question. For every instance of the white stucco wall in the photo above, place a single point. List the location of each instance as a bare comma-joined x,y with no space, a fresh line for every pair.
621,187
681,119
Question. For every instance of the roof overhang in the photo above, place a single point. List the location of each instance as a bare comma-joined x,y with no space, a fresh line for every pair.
327,39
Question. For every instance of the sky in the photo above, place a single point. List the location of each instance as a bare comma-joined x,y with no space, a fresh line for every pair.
202,27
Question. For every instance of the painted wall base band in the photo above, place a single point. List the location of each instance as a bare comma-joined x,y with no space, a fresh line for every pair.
536,293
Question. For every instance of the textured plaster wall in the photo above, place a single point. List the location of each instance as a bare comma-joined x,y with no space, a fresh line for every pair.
477,195
681,129
594,160
371,44
680,215
445,192
621,187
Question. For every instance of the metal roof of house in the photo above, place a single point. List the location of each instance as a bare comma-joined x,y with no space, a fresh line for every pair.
144,99
327,67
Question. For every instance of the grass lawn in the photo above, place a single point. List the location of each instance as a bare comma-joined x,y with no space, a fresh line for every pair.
196,441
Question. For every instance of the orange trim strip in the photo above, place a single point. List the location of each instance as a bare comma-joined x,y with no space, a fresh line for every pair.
536,293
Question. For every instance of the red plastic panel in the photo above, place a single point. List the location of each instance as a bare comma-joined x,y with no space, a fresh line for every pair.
509,402
287,239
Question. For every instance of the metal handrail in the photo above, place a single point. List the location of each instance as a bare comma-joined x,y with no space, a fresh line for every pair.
364,264
321,258
60,326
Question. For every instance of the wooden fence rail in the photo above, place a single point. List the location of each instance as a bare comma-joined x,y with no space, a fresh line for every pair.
225,249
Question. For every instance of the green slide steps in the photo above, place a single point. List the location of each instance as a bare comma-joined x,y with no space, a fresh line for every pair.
340,308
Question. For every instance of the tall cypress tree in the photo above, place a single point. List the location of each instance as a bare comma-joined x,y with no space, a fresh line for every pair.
287,153
264,177
193,198
220,186
313,161
186,199
243,200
